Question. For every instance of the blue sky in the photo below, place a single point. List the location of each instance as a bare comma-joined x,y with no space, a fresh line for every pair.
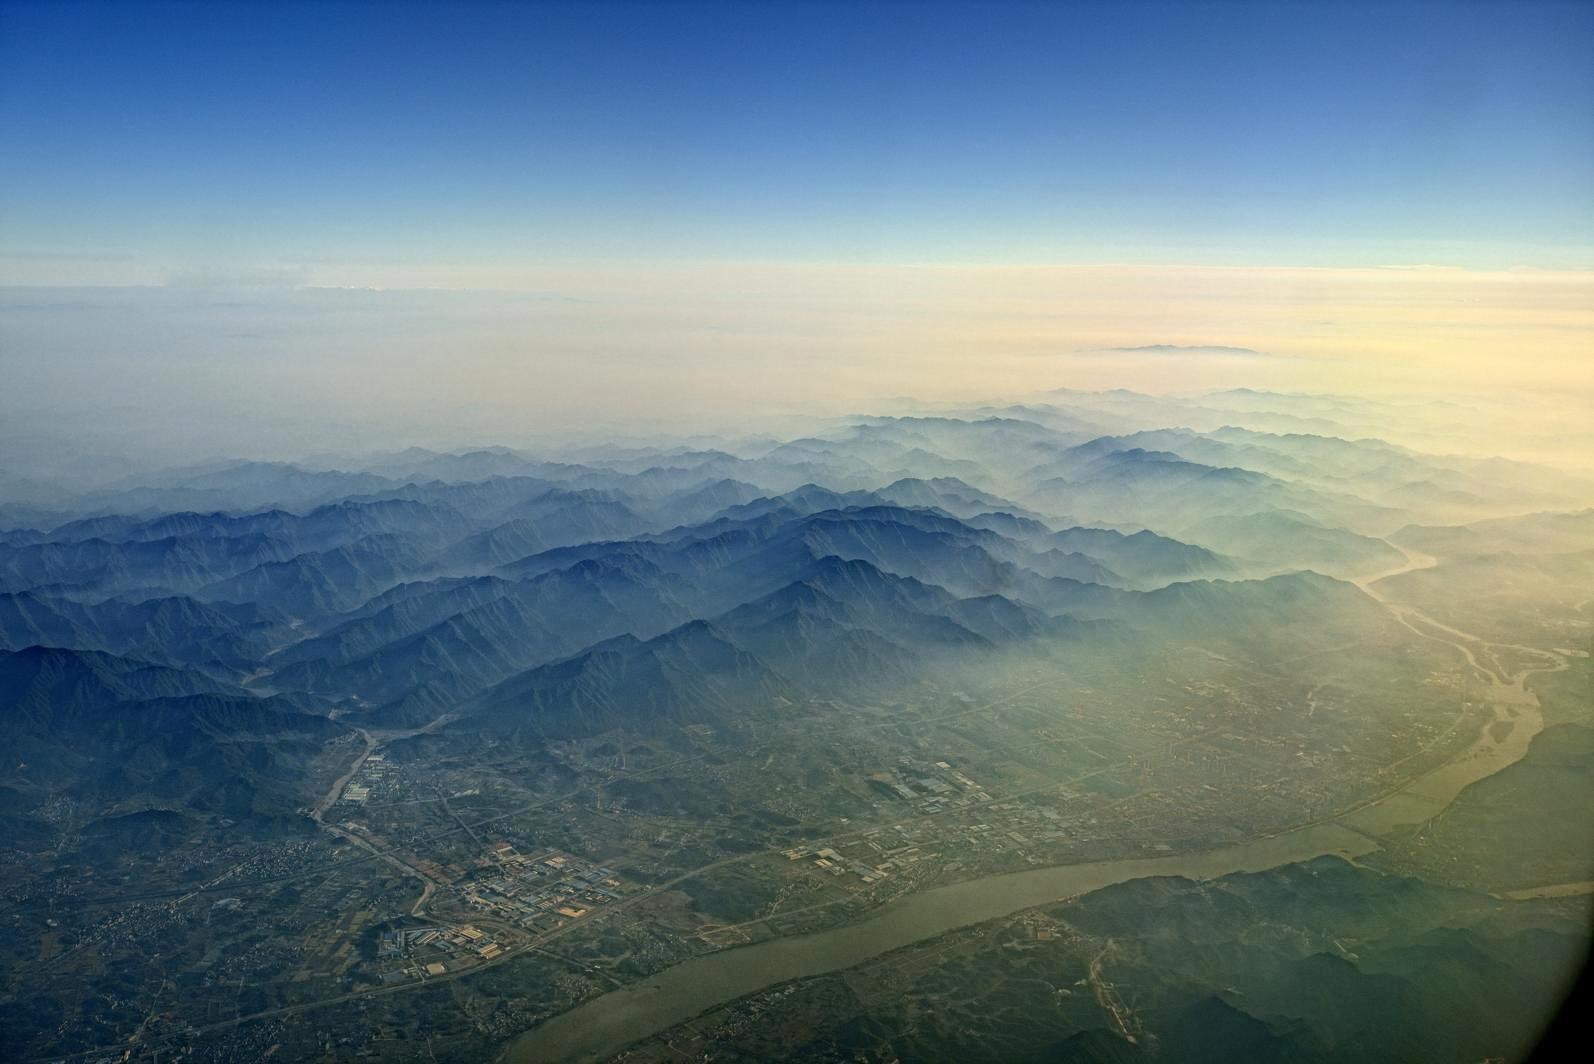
231,136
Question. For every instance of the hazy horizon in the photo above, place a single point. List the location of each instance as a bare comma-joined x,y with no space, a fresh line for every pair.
170,368
499,222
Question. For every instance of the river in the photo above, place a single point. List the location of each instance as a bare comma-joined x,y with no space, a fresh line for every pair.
603,1025
606,1024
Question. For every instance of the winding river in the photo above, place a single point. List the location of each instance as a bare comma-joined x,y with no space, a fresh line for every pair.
603,1025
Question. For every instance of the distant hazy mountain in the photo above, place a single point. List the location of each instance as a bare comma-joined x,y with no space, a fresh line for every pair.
1160,490
1540,533
1280,539
201,619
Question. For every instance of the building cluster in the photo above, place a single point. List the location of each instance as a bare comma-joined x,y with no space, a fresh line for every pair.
928,787
538,892
372,775
829,860
427,952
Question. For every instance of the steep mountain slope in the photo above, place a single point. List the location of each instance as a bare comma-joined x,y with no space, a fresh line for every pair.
504,626
176,630
177,565
690,675
324,582
121,735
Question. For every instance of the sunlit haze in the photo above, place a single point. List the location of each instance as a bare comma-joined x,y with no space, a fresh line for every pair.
678,212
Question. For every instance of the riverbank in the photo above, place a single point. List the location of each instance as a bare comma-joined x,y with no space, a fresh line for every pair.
608,1023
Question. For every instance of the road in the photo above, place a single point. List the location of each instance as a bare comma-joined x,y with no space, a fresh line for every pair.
318,814
334,792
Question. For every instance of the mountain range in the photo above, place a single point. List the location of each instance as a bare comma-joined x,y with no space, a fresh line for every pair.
189,639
